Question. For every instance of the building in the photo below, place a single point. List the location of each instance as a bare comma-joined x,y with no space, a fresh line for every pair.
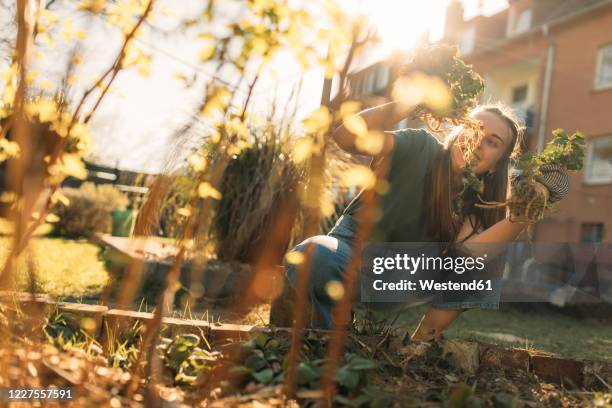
552,61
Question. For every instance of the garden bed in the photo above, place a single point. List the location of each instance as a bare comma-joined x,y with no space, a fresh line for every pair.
218,282
209,364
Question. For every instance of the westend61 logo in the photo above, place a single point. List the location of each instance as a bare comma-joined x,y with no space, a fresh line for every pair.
404,262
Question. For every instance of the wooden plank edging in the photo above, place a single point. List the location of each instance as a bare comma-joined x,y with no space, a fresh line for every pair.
567,371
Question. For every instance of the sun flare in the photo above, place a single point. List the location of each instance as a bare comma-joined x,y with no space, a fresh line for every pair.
401,23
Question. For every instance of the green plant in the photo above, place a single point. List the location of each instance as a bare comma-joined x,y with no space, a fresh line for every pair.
88,210
529,199
564,150
61,332
185,358
464,84
123,347
470,183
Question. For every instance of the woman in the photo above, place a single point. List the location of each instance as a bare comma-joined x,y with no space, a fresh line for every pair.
425,178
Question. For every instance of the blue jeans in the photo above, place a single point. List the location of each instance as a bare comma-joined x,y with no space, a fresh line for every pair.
332,253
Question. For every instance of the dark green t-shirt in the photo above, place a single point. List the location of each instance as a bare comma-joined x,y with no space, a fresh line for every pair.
403,206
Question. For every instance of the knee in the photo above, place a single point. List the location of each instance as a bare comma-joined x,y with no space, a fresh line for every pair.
322,262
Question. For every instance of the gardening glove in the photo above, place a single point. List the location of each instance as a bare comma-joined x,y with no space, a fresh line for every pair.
555,178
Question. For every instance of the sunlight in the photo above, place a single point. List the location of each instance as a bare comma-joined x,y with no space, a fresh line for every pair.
401,23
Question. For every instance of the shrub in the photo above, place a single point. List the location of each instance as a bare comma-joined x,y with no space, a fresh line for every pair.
89,210
255,185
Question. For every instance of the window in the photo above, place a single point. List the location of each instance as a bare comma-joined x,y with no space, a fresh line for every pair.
520,24
382,76
370,81
519,94
402,124
466,40
591,232
603,75
599,161
524,22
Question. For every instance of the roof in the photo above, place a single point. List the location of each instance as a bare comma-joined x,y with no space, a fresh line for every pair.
491,30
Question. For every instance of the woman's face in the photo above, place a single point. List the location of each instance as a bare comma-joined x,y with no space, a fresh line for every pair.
495,143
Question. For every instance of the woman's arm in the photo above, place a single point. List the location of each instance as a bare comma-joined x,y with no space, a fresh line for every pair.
490,241
382,117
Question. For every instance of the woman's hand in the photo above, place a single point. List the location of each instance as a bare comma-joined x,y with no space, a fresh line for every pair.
556,180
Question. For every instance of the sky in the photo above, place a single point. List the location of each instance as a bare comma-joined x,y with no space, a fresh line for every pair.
133,125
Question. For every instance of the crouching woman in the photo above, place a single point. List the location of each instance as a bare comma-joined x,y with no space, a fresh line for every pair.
425,185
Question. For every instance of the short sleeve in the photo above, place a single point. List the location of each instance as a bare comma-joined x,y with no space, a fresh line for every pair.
413,144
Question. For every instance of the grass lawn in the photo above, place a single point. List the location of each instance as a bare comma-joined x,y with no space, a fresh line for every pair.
549,331
63,267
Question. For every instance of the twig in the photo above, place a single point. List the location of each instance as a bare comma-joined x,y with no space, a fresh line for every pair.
602,380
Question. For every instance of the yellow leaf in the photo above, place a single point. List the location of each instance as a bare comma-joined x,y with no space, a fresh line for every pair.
334,289
260,46
31,76
438,96
208,47
72,165
318,121
371,143
327,206
185,212
215,136
382,186
58,197
11,149
237,127
408,91
9,94
81,131
358,176
44,229
330,70
45,109
67,29
180,77
218,100
51,218
356,125
94,6
419,88
48,16
206,190
8,197
197,162
46,85
349,108
302,150
294,257
188,244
